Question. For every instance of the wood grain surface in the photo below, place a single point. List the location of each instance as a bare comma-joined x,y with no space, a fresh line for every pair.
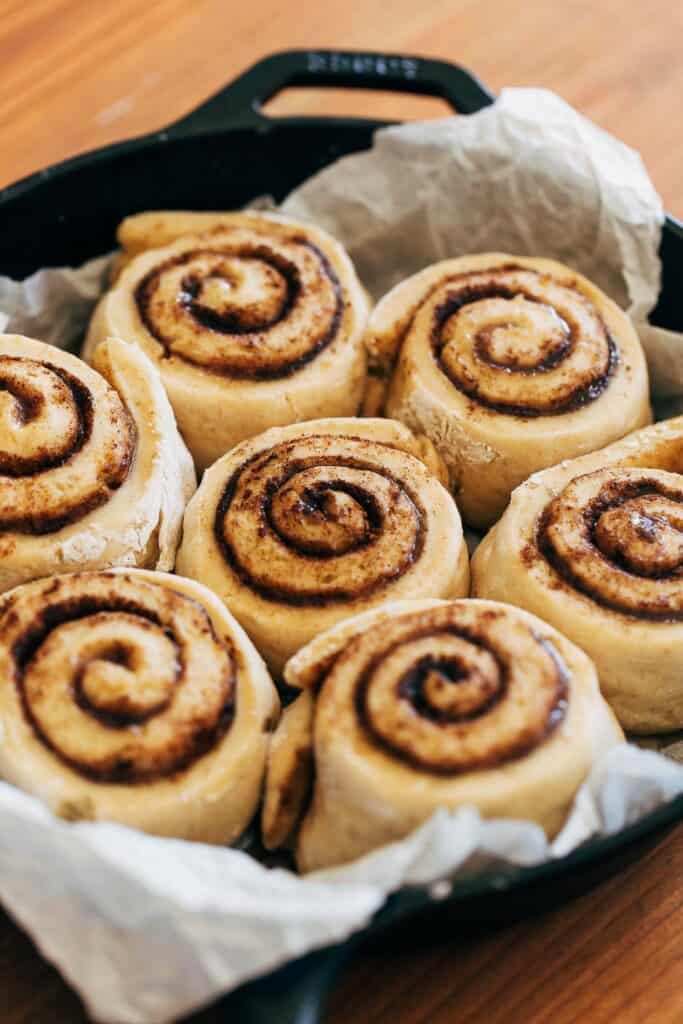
77,74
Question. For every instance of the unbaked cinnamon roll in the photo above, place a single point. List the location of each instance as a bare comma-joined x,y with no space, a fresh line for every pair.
509,365
133,697
429,704
252,319
93,472
595,547
308,524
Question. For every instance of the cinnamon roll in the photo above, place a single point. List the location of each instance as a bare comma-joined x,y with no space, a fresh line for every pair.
595,547
308,524
429,704
509,365
134,697
93,472
252,319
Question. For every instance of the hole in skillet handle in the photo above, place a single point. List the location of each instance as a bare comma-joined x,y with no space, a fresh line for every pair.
294,994
299,101
239,104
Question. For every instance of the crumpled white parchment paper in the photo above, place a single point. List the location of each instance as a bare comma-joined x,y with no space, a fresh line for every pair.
147,929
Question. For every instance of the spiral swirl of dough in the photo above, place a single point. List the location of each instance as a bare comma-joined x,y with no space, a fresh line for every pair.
128,682
617,536
321,519
457,688
519,342
123,681
66,442
209,305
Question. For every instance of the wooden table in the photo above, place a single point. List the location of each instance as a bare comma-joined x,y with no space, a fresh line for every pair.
77,74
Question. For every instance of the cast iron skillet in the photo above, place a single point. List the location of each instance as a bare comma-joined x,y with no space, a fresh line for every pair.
218,157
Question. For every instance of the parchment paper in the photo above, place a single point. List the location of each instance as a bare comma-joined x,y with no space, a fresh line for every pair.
148,929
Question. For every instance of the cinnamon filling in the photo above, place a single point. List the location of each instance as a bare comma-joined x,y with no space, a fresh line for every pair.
246,307
318,520
616,536
454,689
123,680
47,424
517,341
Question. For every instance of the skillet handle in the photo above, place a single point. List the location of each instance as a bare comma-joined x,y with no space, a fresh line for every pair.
294,994
240,101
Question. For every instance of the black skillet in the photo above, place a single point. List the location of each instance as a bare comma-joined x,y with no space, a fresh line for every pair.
219,157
